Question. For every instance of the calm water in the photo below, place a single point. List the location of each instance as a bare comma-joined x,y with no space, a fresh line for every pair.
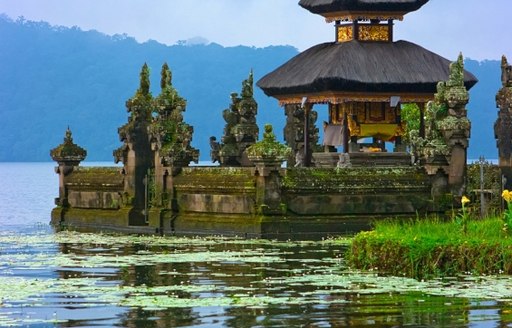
69,279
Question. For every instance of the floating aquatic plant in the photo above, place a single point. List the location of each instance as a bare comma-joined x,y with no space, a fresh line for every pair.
147,273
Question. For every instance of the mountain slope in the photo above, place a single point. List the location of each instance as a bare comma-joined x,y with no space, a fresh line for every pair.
52,77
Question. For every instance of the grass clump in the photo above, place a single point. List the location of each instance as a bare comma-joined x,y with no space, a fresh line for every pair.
432,247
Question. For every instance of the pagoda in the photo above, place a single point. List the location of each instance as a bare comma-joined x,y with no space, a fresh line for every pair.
363,76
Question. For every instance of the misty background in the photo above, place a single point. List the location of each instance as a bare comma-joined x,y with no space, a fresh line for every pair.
55,77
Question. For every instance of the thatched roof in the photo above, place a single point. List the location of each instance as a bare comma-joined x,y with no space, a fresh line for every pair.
361,67
328,6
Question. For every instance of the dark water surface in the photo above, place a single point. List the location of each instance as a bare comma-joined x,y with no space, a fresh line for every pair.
70,279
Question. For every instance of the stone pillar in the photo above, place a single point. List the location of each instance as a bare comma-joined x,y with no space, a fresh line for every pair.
267,156
268,187
307,137
448,131
503,125
136,153
68,155
456,127
294,133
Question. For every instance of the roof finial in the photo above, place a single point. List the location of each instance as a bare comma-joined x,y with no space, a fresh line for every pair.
166,76
506,72
144,80
68,137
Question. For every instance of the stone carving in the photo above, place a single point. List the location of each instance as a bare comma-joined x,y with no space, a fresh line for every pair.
135,153
241,129
269,147
139,107
503,125
447,130
68,153
214,149
294,133
169,134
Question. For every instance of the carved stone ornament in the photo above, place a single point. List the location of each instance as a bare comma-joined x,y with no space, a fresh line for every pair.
68,152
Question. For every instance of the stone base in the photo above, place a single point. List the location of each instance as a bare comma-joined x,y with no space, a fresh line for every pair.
327,160
311,202
380,159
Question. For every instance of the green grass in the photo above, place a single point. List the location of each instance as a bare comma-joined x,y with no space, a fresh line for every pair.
431,247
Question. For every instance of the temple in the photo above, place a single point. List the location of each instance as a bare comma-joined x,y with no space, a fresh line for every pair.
364,76
372,164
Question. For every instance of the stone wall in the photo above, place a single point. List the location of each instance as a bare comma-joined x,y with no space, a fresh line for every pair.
216,191
308,202
95,188
383,192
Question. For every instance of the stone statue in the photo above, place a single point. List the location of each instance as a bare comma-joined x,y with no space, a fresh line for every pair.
241,129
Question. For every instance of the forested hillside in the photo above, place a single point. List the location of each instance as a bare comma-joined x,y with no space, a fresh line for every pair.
52,77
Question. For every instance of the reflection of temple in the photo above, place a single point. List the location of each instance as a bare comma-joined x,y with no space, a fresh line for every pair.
364,75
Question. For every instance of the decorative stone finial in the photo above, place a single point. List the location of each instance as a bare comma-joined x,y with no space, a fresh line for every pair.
144,80
269,147
241,129
456,95
506,72
68,153
456,73
169,134
166,76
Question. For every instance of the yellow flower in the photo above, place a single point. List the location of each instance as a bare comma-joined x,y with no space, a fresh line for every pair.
507,195
464,200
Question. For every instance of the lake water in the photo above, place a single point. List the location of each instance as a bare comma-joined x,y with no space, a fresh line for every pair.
69,279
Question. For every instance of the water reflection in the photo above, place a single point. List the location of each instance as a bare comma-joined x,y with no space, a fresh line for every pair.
76,280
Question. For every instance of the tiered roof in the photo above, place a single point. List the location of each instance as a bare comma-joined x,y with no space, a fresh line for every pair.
363,61
350,9
360,67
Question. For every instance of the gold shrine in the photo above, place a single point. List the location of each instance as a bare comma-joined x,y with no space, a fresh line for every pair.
368,119
366,32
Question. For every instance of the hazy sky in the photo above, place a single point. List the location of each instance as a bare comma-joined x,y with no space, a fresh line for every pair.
478,28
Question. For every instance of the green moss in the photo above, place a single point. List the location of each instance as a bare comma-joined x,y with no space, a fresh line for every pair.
96,178
355,178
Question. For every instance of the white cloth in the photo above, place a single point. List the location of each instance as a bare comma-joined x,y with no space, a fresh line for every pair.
333,135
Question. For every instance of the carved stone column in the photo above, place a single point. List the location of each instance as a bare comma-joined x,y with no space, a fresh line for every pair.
267,156
448,131
294,132
503,125
241,129
68,155
136,153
